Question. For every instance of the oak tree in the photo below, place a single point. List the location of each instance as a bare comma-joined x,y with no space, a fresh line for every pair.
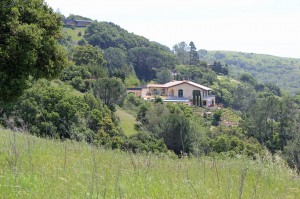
29,30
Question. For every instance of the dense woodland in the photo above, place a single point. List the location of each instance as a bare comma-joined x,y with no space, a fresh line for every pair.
86,76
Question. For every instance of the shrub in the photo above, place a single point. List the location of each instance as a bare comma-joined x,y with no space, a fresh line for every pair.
48,110
143,142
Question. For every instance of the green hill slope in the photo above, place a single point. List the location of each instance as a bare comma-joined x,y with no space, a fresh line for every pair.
127,122
31,167
75,33
283,72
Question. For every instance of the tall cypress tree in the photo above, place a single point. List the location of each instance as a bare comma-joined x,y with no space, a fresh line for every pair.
194,57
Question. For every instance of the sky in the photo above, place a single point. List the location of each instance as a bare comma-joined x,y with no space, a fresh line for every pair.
253,26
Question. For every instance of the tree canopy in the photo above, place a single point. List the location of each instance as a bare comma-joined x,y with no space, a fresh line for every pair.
110,90
28,45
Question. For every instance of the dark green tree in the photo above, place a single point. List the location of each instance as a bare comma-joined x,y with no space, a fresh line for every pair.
29,49
110,90
272,121
248,79
145,60
177,126
182,134
141,114
117,64
194,57
78,17
56,111
107,34
85,55
92,58
292,152
164,76
217,117
181,52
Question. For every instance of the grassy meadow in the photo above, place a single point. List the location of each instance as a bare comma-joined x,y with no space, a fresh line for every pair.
127,122
32,167
74,33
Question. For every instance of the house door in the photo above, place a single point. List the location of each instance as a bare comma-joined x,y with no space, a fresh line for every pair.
197,101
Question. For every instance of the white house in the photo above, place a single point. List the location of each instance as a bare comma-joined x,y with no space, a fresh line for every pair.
177,91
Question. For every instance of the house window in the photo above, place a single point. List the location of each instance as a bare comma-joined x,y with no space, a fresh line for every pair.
180,93
156,91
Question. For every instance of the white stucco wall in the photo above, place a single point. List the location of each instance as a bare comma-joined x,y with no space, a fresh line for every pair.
187,90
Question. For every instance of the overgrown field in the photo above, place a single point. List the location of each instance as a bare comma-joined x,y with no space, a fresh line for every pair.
31,167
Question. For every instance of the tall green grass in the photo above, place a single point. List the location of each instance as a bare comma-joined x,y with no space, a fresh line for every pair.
31,167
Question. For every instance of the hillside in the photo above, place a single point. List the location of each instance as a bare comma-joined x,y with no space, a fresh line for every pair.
97,141
31,167
74,33
127,122
283,72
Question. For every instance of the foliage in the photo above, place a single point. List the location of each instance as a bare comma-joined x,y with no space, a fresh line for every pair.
88,65
91,58
117,63
248,79
141,114
143,55
234,94
271,121
53,111
105,35
216,117
279,71
158,100
78,17
87,55
28,45
110,90
154,114
131,81
77,76
232,141
219,68
181,52
132,101
143,142
146,59
182,135
176,125
224,143
72,71
163,76
292,152
199,75
194,57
